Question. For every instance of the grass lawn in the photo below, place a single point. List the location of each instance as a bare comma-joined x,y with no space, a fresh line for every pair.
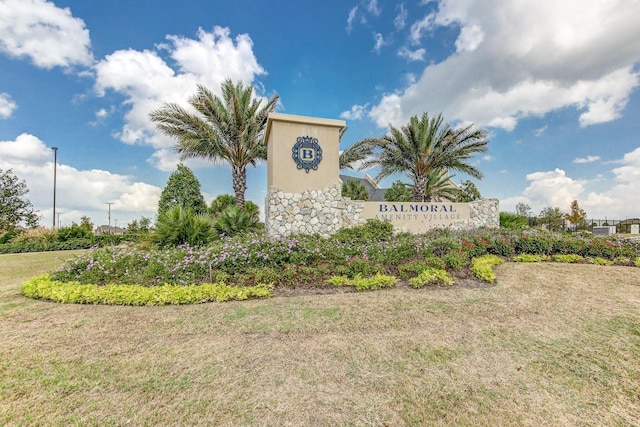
550,344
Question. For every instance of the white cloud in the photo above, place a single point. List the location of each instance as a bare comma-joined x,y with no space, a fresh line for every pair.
469,39
102,113
84,192
619,199
379,42
540,131
400,21
352,15
579,54
357,112
552,188
50,36
7,105
373,7
588,159
419,28
412,55
146,80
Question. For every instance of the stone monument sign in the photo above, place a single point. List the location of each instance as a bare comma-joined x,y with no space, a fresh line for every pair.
304,194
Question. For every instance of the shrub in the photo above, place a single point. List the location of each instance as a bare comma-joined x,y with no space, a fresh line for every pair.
601,248
413,268
378,281
456,260
441,246
636,262
73,232
43,287
622,260
500,246
567,258
482,267
599,261
569,245
372,230
530,258
431,276
534,244
362,266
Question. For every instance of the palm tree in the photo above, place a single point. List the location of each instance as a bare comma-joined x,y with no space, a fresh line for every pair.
440,187
229,129
418,149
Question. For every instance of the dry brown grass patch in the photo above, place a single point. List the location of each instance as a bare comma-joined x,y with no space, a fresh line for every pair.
550,344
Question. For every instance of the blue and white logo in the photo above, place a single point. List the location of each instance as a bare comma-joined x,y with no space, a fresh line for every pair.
307,153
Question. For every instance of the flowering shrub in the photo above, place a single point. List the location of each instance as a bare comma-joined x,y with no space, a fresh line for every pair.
289,260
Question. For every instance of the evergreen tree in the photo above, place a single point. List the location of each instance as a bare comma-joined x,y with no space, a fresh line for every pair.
182,189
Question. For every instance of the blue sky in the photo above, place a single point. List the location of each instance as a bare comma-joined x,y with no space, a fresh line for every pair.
555,83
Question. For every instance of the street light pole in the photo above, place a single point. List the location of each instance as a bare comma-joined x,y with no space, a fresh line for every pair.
109,203
55,162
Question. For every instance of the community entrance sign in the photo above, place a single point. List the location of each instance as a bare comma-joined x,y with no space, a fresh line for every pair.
304,191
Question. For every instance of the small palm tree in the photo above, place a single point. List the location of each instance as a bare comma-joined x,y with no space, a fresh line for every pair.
418,149
229,129
178,225
235,220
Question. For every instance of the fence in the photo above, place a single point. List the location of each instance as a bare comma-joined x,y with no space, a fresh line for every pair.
622,225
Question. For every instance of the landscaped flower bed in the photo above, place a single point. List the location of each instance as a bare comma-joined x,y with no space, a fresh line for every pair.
309,261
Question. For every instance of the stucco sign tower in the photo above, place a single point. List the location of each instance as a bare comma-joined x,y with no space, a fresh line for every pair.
302,152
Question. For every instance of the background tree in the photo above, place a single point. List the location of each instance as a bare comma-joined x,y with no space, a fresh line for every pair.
15,209
418,149
85,222
523,209
577,216
468,192
355,190
141,226
182,189
229,129
398,192
552,218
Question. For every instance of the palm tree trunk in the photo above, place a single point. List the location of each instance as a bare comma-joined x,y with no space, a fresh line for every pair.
420,188
239,174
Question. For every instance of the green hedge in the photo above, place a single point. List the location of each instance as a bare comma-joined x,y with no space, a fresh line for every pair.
42,287
42,245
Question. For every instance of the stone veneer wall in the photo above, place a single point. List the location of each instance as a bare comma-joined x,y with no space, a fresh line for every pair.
485,213
326,211
313,211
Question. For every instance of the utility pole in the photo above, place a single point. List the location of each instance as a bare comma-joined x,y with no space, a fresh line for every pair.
109,203
58,213
55,162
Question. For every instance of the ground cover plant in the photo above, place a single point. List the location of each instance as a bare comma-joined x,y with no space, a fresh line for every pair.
550,344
